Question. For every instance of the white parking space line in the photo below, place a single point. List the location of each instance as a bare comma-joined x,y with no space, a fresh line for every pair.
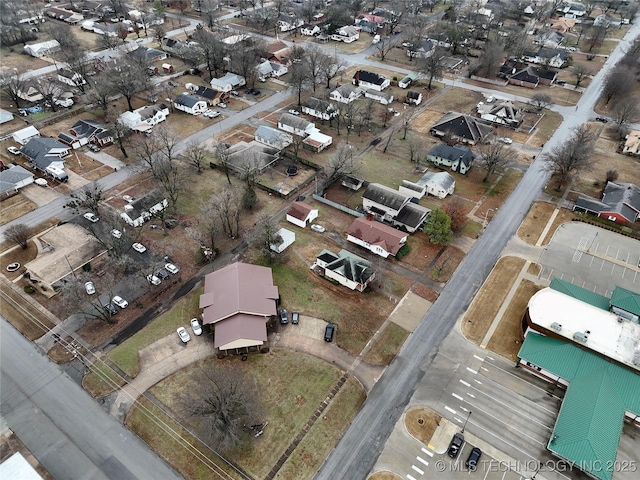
455,395
472,371
465,409
450,410
477,381
490,357
421,472
428,452
465,383
409,477
523,381
422,460
471,395
478,358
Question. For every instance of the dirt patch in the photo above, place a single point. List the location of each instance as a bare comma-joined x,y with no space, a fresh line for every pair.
384,476
447,264
489,299
507,339
387,345
422,251
422,423
535,221
15,207
425,292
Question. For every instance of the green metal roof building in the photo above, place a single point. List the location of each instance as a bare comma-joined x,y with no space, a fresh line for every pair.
589,424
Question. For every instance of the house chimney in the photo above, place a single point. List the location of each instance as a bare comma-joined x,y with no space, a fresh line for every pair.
370,216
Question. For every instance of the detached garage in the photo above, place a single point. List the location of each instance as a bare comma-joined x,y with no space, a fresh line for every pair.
23,136
287,236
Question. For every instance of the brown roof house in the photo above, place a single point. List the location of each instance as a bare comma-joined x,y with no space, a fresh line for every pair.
238,301
301,214
381,239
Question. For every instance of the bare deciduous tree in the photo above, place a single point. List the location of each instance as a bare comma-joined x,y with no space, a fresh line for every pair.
342,163
195,155
265,235
490,62
433,66
87,198
626,111
331,68
172,178
618,83
493,157
540,101
228,206
128,78
12,85
18,234
611,176
223,403
580,72
572,156
384,46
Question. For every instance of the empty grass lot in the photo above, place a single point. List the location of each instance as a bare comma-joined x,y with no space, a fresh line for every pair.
387,345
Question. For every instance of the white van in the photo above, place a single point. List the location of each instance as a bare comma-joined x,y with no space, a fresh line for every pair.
376,39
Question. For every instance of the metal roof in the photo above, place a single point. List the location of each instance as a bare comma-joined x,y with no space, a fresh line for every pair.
589,424
580,293
626,300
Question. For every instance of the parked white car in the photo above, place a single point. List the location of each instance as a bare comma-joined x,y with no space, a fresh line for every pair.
116,233
153,280
91,217
183,334
119,301
506,140
90,288
317,228
195,325
171,268
138,247
13,150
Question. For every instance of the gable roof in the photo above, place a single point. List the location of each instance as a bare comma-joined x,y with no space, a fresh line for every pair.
187,100
146,54
271,134
300,210
11,176
43,151
348,265
240,327
412,215
463,126
386,196
346,90
206,92
443,179
85,128
238,288
453,153
320,105
625,300
369,77
376,233
294,121
620,195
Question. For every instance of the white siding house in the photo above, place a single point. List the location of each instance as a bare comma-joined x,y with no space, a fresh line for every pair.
301,214
230,81
296,125
273,137
190,104
144,118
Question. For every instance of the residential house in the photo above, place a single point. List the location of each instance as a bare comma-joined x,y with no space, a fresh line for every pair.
286,23
458,157
70,78
31,94
143,209
287,237
347,269
144,118
439,184
528,76
547,56
411,189
501,113
347,34
12,179
147,55
395,206
441,39
190,104
563,25
42,49
238,301
424,49
632,144
267,69
452,64
45,152
209,95
604,20
372,81
176,47
107,29
414,97
317,141
59,13
366,25
84,132
230,81
462,128
549,39
278,51
243,157
572,9
5,116
273,137
320,108
301,214
620,203
380,97
309,30
296,125
345,93
408,80
23,135
377,237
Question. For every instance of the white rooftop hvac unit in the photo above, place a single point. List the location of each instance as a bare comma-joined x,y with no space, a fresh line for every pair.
580,337
556,326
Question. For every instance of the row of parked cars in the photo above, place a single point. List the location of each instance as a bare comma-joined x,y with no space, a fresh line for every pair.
183,333
454,449
295,319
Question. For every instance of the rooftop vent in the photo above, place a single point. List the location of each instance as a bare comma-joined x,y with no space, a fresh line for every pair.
580,337
128,207
556,326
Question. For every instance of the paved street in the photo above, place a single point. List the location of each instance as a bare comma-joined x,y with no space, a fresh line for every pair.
66,430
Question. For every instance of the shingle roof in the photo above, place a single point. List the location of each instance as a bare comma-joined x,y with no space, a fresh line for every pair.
271,134
580,293
386,196
370,77
11,176
463,126
442,179
293,121
350,266
320,105
626,300
206,92
37,149
456,152
376,233
412,215
299,210
591,204
186,100
618,194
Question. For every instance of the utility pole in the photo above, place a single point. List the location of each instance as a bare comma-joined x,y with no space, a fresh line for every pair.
465,422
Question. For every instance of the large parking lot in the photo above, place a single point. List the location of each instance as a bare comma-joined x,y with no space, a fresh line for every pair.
592,258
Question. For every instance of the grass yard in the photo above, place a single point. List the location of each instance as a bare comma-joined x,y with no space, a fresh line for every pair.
18,254
489,299
308,456
422,251
14,207
385,348
422,423
15,58
456,100
292,386
507,339
447,264
535,221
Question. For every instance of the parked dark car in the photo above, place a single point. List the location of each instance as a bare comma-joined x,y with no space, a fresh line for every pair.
162,274
456,445
255,92
474,457
284,319
601,119
295,317
111,308
329,331
249,90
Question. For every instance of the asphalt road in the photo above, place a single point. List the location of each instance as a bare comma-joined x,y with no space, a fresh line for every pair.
356,453
62,425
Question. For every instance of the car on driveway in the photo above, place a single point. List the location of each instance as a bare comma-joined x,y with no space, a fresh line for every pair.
13,150
94,148
171,268
111,308
295,318
195,326
602,119
506,140
456,445
128,198
183,334
91,217
474,457
222,105
116,233
153,280
90,288
119,301
138,247
317,228
329,331
294,112
162,274
284,318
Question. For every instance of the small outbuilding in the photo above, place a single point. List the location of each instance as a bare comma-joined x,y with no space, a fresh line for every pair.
301,214
287,238
23,136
